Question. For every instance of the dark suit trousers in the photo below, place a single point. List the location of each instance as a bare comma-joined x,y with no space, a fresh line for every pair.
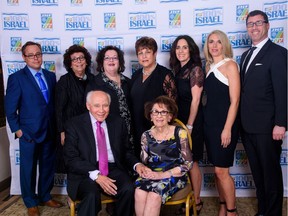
89,192
32,153
264,159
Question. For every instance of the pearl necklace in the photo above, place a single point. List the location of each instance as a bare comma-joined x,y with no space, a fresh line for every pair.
164,138
149,73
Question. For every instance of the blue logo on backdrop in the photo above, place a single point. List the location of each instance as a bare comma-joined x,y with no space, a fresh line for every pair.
109,21
166,42
209,181
13,2
167,1
204,37
115,41
44,2
78,22
78,41
15,44
14,21
46,21
241,159
239,39
241,13
14,66
283,157
49,45
142,20
50,65
243,181
208,16
277,35
175,18
276,10
17,156
135,66
108,2
60,180
238,60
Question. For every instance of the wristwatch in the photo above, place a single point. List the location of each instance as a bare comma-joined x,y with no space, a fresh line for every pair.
190,127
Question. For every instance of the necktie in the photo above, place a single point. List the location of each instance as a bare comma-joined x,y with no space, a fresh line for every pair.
43,86
102,149
247,59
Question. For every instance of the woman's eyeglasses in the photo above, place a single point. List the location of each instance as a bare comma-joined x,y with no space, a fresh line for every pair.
107,58
162,113
80,58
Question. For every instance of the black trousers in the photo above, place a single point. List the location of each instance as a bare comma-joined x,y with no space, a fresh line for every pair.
89,192
264,159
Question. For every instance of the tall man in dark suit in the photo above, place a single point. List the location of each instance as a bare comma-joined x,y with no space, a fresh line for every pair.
81,154
263,110
29,105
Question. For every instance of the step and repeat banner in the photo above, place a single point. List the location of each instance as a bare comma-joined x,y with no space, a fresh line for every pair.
57,24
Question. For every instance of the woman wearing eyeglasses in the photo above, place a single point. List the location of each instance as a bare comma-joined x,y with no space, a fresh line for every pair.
148,83
165,151
111,65
70,92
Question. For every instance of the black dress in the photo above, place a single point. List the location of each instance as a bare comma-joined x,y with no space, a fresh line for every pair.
189,76
160,82
216,104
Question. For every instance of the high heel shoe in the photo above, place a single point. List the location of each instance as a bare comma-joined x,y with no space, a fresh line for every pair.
182,209
199,207
232,211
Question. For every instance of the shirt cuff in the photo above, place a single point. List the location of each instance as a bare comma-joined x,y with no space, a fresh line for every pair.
93,174
134,167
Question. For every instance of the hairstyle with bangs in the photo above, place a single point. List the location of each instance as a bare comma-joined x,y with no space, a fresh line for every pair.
227,51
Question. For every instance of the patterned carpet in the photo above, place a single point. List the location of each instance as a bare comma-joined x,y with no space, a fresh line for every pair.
246,207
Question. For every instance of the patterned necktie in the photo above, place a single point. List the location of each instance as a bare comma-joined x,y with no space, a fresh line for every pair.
102,149
43,86
247,59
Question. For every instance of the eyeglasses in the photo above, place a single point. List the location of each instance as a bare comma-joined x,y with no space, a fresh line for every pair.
107,58
80,58
257,23
32,56
162,113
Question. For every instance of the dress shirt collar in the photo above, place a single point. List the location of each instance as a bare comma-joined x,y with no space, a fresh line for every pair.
261,44
33,71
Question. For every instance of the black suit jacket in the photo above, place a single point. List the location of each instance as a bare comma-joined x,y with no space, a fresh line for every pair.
264,90
80,149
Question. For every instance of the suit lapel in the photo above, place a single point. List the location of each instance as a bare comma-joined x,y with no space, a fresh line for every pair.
111,133
257,58
91,137
33,81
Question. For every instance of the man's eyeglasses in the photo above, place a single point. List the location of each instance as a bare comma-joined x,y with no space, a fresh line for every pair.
32,56
162,113
80,58
257,23
107,58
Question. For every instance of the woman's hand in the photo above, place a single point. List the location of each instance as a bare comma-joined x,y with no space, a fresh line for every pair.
225,138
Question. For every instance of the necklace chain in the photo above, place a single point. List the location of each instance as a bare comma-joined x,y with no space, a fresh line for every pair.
164,138
149,73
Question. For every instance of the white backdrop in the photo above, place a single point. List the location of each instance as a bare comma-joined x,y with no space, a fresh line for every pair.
56,25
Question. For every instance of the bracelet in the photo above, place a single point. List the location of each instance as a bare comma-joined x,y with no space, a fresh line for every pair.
190,127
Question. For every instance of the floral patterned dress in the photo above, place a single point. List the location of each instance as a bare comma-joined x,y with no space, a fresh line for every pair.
161,156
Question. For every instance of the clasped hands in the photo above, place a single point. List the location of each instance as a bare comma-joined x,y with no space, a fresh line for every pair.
146,172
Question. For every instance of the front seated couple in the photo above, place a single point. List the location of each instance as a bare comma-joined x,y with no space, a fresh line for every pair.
166,158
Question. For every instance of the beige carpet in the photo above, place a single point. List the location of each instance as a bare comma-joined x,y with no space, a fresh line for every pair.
246,207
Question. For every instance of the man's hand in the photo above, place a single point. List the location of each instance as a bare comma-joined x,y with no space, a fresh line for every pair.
278,132
19,133
107,184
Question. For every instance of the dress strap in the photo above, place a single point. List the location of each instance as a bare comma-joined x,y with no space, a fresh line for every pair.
219,64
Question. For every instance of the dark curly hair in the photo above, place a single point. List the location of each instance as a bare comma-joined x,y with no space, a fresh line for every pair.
101,55
73,49
193,50
168,102
146,42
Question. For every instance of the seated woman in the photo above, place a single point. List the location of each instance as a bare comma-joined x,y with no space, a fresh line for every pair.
165,150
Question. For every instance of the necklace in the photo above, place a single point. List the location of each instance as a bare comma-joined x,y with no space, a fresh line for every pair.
160,135
148,73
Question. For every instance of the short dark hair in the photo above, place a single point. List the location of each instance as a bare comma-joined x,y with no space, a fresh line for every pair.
29,43
101,55
73,49
146,42
168,102
257,12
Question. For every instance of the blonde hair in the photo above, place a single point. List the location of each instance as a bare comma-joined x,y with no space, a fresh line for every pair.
227,51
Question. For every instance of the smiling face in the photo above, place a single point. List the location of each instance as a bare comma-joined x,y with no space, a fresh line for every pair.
146,57
34,62
111,62
98,105
257,33
182,51
215,47
160,115
78,63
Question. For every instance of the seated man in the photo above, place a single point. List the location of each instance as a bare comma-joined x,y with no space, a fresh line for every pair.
87,164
